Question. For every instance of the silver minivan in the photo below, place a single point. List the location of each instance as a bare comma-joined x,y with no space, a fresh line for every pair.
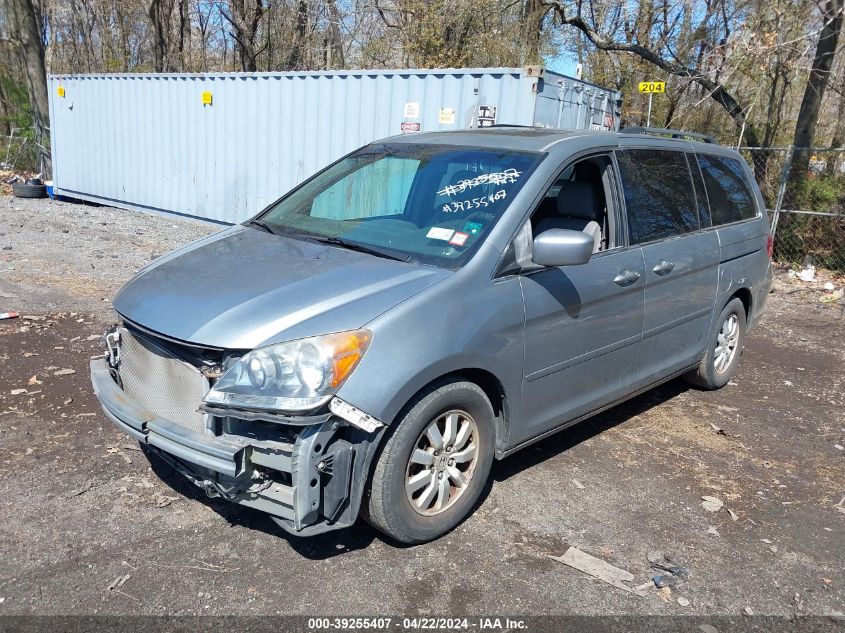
372,341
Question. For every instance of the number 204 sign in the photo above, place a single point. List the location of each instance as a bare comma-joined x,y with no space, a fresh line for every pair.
652,86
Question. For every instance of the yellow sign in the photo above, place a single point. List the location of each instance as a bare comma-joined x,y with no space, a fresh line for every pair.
652,86
206,98
446,116
61,91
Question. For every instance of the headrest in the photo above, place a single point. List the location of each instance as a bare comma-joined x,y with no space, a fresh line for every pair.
577,200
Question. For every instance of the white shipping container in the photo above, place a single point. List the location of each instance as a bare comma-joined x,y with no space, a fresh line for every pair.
223,146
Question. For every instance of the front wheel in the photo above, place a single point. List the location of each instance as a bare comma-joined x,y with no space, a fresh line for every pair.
724,347
434,465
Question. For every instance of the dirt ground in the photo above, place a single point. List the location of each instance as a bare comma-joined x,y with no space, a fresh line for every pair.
81,506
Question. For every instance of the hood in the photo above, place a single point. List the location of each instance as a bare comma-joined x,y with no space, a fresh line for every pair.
244,288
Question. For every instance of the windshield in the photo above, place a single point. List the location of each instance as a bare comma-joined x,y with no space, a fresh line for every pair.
425,203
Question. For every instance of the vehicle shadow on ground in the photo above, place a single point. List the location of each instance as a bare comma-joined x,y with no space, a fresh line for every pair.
361,534
319,547
564,440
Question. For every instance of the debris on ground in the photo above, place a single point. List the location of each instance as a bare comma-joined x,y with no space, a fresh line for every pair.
598,568
712,530
85,488
711,504
671,574
64,372
807,274
162,501
118,582
718,429
578,484
734,515
684,602
833,297
8,315
748,611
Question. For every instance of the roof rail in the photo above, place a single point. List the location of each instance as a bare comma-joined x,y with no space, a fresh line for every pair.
658,131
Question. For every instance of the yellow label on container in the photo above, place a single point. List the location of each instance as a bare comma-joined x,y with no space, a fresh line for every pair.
446,116
652,86
206,97
61,91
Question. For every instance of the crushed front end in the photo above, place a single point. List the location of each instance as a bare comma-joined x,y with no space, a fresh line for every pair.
307,471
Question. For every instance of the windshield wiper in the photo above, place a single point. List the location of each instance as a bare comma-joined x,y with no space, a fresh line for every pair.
355,246
263,226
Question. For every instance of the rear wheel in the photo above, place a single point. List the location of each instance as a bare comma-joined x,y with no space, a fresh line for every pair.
724,347
434,465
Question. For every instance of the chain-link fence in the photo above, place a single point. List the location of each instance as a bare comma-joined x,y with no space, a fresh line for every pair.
806,211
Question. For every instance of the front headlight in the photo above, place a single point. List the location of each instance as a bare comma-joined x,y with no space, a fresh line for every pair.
295,376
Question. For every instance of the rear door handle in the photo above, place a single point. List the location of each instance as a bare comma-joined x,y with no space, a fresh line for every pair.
663,267
626,277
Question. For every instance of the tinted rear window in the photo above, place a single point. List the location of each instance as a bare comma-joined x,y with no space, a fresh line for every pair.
658,194
731,197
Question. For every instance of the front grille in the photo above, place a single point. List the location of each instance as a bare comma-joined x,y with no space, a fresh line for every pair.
161,383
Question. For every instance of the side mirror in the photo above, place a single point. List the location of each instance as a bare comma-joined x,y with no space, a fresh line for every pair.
562,247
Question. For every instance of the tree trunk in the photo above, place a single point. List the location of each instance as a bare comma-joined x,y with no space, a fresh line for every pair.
335,40
244,16
835,159
160,12
25,20
532,17
297,56
159,42
4,113
808,115
184,36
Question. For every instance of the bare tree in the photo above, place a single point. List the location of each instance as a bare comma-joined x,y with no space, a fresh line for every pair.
808,114
184,35
160,12
25,32
296,58
335,45
666,56
244,16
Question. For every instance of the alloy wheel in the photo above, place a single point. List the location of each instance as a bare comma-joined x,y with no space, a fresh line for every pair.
442,463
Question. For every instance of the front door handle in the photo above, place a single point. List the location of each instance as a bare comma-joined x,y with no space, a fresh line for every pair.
663,267
626,277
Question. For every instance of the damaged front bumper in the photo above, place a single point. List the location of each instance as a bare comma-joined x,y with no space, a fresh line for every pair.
308,477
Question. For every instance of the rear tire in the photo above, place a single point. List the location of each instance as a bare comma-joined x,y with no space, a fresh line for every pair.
434,464
724,347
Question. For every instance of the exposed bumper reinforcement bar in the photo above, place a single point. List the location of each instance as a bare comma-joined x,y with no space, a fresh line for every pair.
306,485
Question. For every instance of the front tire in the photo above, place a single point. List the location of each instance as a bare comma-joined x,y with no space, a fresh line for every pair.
434,465
724,347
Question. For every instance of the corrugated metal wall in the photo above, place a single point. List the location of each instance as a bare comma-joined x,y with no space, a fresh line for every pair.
148,141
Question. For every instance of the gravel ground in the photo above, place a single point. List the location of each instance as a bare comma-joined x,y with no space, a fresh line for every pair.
83,507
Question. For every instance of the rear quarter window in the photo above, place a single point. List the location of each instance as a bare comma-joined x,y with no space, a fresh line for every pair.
658,194
730,194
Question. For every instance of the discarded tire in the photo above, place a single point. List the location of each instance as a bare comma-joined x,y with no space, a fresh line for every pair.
21,190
